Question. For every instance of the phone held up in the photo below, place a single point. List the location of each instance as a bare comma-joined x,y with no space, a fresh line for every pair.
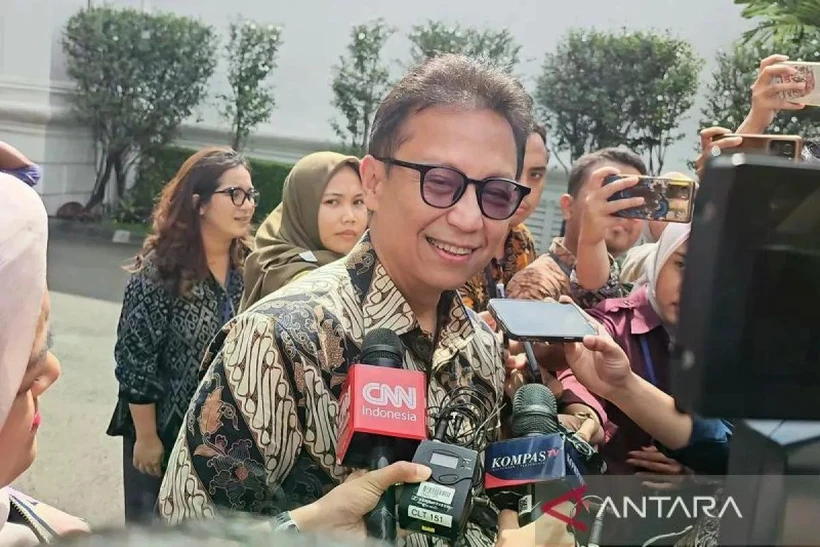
534,321
665,199
783,146
806,72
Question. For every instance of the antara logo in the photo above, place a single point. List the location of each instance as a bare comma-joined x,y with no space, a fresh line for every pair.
378,394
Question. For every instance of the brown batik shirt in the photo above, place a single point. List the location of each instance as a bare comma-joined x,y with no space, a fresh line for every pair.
260,434
553,274
519,252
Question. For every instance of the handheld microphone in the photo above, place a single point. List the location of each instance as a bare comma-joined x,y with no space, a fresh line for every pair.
542,462
383,417
441,506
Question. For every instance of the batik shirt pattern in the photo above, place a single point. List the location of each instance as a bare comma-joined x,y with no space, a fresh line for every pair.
260,435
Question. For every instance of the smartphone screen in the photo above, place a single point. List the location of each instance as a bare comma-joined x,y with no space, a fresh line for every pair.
665,199
533,321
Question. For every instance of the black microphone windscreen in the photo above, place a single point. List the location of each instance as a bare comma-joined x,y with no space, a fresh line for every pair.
534,411
382,347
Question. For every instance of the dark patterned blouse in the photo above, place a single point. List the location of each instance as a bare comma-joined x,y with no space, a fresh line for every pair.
162,338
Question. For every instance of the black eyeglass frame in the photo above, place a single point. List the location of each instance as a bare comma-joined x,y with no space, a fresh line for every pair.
253,194
423,168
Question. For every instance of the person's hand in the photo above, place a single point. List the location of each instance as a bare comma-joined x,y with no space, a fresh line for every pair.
599,363
546,531
587,429
517,369
766,100
342,510
148,453
488,318
661,471
598,213
710,147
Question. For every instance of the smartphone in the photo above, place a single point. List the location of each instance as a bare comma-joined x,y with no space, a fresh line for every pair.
666,199
806,72
784,146
534,321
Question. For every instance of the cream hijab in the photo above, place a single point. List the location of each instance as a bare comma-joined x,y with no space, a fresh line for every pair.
675,235
23,239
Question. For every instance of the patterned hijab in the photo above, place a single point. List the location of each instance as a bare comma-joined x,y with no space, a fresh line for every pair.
288,242
23,239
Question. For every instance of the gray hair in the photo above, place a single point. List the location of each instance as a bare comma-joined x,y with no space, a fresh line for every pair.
233,531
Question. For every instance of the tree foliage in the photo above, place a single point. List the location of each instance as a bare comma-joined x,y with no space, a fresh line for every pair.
781,19
360,82
496,47
138,76
600,89
251,52
728,95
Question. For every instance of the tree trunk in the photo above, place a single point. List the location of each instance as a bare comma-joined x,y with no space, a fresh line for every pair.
100,184
121,175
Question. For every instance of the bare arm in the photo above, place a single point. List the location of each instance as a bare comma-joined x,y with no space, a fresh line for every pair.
11,158
654,411
145,420
592,263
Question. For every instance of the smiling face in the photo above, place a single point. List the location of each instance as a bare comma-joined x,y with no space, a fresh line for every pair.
342,213
220,215
425,249
18,438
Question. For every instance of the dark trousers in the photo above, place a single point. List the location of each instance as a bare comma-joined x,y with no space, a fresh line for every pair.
141,490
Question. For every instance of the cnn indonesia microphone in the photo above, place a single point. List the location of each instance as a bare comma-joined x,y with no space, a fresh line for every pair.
542,463
382,412
441,506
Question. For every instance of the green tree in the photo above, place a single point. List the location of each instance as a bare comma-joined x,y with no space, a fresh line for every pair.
664,71
251,52
360,82
496,47
781,19
600,89
728,96
138,76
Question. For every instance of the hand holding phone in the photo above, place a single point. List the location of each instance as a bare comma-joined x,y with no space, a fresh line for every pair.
601,212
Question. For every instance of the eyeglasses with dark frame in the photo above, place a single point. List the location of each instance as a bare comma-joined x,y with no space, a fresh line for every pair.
240,195
442,186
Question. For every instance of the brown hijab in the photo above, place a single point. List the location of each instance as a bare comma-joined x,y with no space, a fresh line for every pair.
288,242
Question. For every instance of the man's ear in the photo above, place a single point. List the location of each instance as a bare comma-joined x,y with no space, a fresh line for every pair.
372,173
566,202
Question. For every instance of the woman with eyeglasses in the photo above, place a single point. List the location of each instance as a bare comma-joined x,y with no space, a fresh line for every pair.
321,218
186,283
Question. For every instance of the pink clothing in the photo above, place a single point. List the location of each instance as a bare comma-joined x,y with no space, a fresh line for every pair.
628,320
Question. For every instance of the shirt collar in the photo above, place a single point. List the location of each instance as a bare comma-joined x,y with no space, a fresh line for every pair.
559,250
644,318
383,305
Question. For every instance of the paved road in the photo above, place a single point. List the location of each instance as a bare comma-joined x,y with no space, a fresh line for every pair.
79,468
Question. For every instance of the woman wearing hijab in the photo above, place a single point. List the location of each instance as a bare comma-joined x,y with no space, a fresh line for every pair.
643,324
27,367
321,217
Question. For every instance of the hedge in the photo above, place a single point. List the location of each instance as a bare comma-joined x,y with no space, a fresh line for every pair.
154,172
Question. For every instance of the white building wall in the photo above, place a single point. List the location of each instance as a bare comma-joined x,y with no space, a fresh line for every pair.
34,115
